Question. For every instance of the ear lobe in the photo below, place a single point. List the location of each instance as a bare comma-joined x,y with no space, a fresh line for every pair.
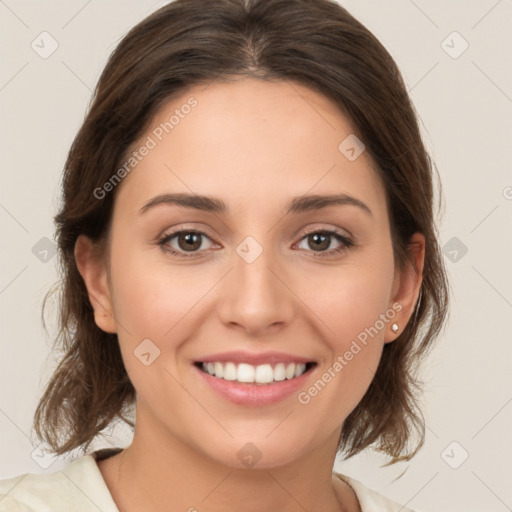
92,267
407,285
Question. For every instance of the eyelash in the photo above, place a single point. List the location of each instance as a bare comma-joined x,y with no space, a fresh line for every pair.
346,243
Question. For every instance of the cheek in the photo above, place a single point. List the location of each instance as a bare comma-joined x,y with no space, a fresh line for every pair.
353,306
153,303
340,305
158,304
350,299
150,297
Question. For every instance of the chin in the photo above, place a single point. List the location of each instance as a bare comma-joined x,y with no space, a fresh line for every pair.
260,453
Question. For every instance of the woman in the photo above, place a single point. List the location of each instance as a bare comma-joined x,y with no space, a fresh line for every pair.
249,259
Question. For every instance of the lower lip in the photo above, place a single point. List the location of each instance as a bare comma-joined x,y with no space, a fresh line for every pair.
255,394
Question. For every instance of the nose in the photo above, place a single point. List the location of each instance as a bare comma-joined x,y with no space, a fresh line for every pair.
256,297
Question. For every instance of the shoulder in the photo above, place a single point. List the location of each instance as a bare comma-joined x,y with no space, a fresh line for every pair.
370,500
78,487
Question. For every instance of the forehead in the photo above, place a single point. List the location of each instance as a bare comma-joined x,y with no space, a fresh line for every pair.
250,141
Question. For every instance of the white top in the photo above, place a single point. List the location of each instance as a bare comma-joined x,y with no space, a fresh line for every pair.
80,487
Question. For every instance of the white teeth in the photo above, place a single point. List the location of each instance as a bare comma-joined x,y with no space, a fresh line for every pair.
290,371
245,373
279,372
261,374
300,369
264,373
218,370
229,372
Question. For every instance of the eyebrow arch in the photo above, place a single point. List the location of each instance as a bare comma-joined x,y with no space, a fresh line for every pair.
296,205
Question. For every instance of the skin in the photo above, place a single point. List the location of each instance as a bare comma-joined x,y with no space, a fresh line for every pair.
255,145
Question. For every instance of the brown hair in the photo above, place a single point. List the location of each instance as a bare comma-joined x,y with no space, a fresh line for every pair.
316,43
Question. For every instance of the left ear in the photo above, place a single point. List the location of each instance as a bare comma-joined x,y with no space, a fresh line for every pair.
406,286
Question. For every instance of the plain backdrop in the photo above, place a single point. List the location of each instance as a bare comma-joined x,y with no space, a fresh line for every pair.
455,57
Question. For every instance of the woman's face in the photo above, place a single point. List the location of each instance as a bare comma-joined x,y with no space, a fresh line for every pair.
257,278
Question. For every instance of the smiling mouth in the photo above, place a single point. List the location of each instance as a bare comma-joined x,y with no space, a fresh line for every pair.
262,374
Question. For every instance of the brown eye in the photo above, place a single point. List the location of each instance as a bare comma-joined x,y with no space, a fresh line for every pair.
319,242
182,242
189,241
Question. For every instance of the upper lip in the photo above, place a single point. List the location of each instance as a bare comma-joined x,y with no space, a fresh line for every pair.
253,358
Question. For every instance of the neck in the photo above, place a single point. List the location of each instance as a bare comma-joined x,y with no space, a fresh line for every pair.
157,473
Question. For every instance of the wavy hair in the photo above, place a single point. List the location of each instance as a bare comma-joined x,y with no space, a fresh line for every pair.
316,43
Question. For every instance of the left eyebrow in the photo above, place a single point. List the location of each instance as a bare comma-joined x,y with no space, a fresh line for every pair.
296,205
317,202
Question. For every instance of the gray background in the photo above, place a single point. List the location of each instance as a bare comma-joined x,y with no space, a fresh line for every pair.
465,103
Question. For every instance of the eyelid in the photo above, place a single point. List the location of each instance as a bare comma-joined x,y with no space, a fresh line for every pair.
166,237
346,240
315,229
179,228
